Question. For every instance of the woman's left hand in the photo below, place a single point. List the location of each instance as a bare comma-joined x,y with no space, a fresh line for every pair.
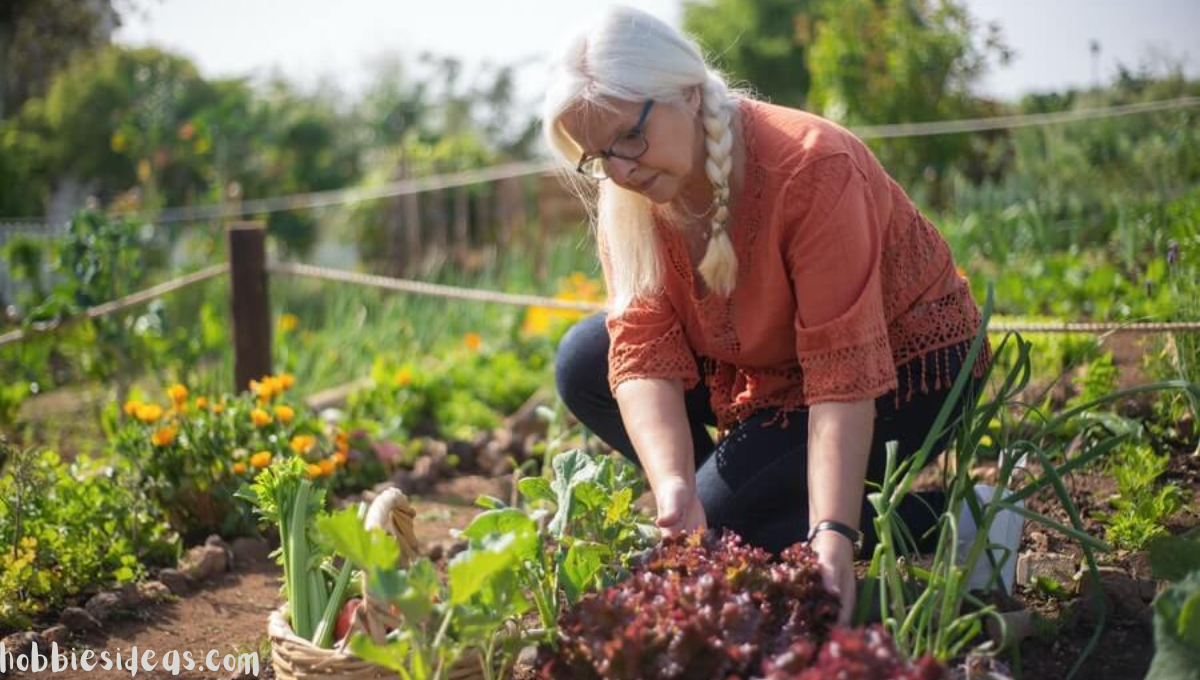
835,555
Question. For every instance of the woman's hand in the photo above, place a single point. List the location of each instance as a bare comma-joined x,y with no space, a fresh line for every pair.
679,508
835,554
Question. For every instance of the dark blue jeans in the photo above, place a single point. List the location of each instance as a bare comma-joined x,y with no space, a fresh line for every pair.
754,481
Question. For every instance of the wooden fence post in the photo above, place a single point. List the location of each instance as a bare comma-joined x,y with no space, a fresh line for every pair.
249,304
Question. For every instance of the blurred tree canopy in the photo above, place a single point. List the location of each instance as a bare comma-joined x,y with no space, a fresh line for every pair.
38,37
759,42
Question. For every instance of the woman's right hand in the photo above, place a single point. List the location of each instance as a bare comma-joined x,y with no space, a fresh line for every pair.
679,508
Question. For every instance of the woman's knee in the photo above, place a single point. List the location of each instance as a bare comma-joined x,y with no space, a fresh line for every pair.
581,362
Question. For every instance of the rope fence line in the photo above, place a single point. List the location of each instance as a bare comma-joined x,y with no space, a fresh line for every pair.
499,297
332,197
432,289
131,300
949,127
482,295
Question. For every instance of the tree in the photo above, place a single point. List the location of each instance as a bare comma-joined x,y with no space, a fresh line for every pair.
39,37
900,61
760,42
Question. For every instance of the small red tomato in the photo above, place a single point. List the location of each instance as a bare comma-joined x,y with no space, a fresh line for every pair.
346,617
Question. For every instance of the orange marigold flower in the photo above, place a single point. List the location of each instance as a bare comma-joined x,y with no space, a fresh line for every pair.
261,459
327,467
303,443
201,403
218,408
178,394
149,413
260,417
285,414
312,471
403,377
164,436
473,341
131,407
239,468
339,458
286,381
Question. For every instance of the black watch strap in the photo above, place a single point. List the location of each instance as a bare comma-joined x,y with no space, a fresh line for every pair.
855,536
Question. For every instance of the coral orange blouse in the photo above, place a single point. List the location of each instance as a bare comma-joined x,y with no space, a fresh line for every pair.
841,284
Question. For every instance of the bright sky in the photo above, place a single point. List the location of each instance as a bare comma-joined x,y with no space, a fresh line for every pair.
308,39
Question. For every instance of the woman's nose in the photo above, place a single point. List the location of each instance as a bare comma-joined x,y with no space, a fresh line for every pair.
620,169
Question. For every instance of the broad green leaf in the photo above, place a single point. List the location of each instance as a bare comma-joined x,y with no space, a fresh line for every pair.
506,521
1188,626
570,469
471,569
1174,557
368,550
413,591
536,489
490,502
583,561
392,655
619,508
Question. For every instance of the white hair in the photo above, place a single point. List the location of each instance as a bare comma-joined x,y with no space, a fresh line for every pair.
629,55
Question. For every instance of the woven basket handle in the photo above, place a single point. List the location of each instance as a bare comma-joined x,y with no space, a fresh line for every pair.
392,512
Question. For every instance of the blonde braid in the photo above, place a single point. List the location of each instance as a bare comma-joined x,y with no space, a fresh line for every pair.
719,265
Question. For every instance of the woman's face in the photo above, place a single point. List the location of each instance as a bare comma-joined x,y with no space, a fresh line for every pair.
675,149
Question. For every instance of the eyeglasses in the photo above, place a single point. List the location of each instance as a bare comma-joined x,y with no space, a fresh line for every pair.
629,146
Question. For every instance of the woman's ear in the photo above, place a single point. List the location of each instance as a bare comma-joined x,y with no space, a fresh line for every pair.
694,96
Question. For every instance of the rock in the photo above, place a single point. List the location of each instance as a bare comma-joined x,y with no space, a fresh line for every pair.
435,552
527,658
130,596
22,643
250,550
455,548
1056,566
154,591
56,634
216,540
1018,625
102,606
1123,593
178,582
205,562
78,620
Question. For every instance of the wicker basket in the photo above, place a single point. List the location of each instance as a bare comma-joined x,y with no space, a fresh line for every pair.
295,658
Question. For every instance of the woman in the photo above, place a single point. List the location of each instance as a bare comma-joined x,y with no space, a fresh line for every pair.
765,277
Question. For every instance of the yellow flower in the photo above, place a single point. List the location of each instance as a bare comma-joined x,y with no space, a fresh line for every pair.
327,467
339,458
118,142
312,471
149,413
163,437
286,380
288,323
143,170
201,403
218,408
132,406
260,417
239,468
285,414
178,394
473,341
403,377
261,459
985,440
303,443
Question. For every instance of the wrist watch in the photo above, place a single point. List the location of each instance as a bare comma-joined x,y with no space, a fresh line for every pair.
855,536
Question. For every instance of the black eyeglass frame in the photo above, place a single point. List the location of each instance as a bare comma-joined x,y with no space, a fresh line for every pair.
636,130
